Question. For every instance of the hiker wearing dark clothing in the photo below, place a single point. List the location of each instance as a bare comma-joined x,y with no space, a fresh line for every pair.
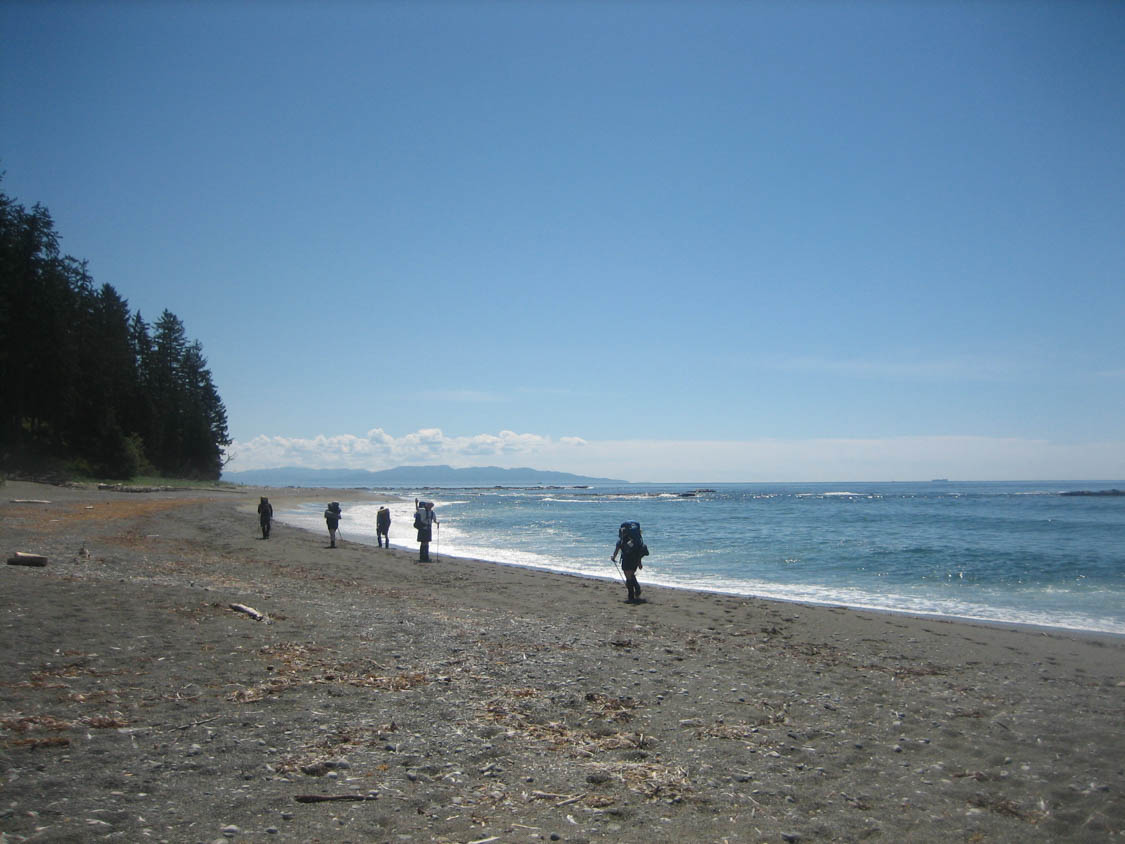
383,527
265,516
424,521
332,518
632,549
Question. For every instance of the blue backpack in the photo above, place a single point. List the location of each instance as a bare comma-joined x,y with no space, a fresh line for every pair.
631,540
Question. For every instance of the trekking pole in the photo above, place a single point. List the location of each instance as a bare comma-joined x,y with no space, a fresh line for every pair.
620,572
437,542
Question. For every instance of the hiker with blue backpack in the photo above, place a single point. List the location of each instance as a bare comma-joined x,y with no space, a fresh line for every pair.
632,549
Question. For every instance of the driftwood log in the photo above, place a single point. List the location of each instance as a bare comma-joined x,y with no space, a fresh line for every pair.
250,611
334,798
23,559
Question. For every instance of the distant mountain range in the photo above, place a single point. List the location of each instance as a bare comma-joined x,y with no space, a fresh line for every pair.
413,476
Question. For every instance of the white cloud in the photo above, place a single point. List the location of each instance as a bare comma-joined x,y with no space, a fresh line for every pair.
379,450
699,461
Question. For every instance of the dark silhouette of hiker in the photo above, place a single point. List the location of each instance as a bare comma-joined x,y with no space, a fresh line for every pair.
424,520
632,549
265,516
332,518
383,527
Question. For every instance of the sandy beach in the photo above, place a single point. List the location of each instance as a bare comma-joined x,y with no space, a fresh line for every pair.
380,699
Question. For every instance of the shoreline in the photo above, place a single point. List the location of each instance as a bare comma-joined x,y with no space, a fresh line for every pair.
456,701
381,496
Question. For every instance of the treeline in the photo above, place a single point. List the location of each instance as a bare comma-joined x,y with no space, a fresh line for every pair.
86,382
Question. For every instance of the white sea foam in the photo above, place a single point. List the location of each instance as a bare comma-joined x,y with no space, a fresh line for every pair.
889,602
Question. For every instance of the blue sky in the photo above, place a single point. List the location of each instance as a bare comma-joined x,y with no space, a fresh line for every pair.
655,241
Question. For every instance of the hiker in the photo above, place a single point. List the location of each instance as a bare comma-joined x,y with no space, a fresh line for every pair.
383,526
332,518
424,520
265,516
632,549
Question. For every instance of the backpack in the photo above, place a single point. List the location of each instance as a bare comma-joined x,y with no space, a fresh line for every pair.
631,539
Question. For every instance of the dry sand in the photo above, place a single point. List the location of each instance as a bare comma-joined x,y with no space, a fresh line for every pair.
386,700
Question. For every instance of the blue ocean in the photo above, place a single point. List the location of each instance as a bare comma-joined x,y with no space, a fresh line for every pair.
999,552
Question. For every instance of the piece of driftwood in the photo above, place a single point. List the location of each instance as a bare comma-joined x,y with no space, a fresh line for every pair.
30,501
23,559
250,611
334,798
569,800
192,724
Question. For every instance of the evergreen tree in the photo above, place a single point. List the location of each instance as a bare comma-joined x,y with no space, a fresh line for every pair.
166,392
109,383
205,418
139,413
39,306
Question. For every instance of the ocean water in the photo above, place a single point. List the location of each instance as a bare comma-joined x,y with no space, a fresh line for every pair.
998,552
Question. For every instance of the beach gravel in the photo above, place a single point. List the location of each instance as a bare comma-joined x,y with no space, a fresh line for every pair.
368,697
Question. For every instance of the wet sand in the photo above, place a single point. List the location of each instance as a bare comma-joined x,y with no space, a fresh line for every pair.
380,699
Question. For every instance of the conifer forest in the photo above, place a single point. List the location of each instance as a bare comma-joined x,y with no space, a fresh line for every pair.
86,386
